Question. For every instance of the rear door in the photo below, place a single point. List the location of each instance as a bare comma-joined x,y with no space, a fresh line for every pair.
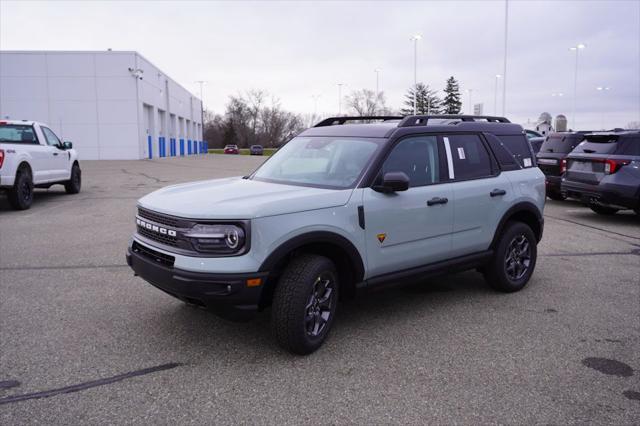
481,193
410,228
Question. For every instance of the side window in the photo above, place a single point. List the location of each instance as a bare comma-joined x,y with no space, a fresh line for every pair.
470,158
50,137
418,158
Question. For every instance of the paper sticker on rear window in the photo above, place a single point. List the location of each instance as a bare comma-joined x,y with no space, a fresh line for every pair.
527,162
461,153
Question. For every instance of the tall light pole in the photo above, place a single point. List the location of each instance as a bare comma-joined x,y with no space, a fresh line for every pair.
340,99
377,71
470,92
495,96
504,64
415,38
602,89
315,104
577,48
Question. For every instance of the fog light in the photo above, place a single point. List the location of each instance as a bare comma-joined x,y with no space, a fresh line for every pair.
254,282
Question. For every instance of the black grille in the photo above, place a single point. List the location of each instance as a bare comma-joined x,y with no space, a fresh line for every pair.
155,236
156,256
159,218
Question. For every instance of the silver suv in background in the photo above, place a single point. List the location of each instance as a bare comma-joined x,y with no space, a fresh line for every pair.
344,208
603,172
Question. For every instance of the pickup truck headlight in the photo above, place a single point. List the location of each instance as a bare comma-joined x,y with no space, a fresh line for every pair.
217,238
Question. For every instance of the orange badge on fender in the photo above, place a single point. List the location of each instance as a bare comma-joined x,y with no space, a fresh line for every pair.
381,237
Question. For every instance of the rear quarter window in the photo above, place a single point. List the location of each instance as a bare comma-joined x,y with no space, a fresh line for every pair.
519,146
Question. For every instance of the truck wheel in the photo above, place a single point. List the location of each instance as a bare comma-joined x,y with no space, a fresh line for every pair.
304,303
21,195
557,196
72,186
514,259
607,211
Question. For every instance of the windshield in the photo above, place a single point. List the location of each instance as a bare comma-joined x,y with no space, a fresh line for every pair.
326,162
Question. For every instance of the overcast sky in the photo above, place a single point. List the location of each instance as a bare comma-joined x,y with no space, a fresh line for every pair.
297,49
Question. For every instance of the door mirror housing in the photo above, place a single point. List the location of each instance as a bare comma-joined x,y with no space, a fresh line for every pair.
67,145
393,182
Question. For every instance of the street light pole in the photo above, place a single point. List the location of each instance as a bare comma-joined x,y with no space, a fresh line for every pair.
340,99
201,83
576,49
602,89
470,92
315,104
415,39
495,96
504,64
377,71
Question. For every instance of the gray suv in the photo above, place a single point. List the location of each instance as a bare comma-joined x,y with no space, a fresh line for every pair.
603,172
345,208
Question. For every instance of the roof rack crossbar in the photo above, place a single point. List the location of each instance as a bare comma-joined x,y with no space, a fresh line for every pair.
421,120
331,121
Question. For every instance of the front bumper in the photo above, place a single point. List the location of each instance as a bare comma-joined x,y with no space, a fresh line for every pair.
225,294
603,194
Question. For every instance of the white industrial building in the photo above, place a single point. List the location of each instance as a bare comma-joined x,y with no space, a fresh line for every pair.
110,105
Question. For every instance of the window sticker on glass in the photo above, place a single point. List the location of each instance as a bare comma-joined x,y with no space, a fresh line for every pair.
527,162
461,153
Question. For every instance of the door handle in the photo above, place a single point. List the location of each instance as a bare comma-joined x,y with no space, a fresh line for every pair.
437,200
55,153
497,192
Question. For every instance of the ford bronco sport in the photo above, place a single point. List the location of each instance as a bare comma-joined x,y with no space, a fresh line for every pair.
343,208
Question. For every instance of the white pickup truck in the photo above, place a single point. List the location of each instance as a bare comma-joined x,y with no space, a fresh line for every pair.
32,156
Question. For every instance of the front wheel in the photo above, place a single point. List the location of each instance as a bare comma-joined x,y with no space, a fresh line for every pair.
72,186
607,211
514,259
304,303
21,195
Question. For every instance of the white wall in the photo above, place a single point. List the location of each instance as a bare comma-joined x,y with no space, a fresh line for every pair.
92,99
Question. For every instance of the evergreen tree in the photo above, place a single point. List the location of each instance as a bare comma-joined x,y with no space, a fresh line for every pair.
427,101
452,103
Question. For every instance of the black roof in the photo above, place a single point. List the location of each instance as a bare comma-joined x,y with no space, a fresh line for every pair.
389,125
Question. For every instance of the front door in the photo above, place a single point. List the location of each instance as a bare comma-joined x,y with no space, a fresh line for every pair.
410,228
58,163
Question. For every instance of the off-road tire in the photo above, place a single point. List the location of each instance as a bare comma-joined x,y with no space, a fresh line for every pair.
21,195
497,272
291,303
72,186
605,211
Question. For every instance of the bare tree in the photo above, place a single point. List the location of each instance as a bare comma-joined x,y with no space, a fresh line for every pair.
366,102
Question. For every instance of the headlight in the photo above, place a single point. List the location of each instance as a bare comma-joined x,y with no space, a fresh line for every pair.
217,239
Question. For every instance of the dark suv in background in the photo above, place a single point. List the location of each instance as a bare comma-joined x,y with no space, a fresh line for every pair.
603,172
552,162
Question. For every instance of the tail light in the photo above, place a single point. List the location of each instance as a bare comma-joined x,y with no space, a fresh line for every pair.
612,166
1,157
563,165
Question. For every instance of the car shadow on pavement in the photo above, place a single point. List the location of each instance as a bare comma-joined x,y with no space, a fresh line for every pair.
202,334
40,196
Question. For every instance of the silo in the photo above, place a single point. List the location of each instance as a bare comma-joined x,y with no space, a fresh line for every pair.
561,123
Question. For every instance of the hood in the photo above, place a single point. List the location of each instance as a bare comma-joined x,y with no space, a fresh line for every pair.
237,198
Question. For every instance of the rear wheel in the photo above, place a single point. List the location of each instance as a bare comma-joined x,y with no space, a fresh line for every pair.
72,186
304,303
21,195
603,210
514,259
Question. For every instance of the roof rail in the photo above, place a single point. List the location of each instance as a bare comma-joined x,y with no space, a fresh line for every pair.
331,121
421,120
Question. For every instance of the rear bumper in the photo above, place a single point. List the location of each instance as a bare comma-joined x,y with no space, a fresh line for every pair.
609,195
225,294
552,183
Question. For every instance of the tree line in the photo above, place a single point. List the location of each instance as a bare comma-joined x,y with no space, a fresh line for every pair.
257,118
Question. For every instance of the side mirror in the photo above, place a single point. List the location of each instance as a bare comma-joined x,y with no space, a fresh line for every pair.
393,182
67,145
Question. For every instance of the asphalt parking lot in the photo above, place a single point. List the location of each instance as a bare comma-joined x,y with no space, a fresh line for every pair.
566,349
